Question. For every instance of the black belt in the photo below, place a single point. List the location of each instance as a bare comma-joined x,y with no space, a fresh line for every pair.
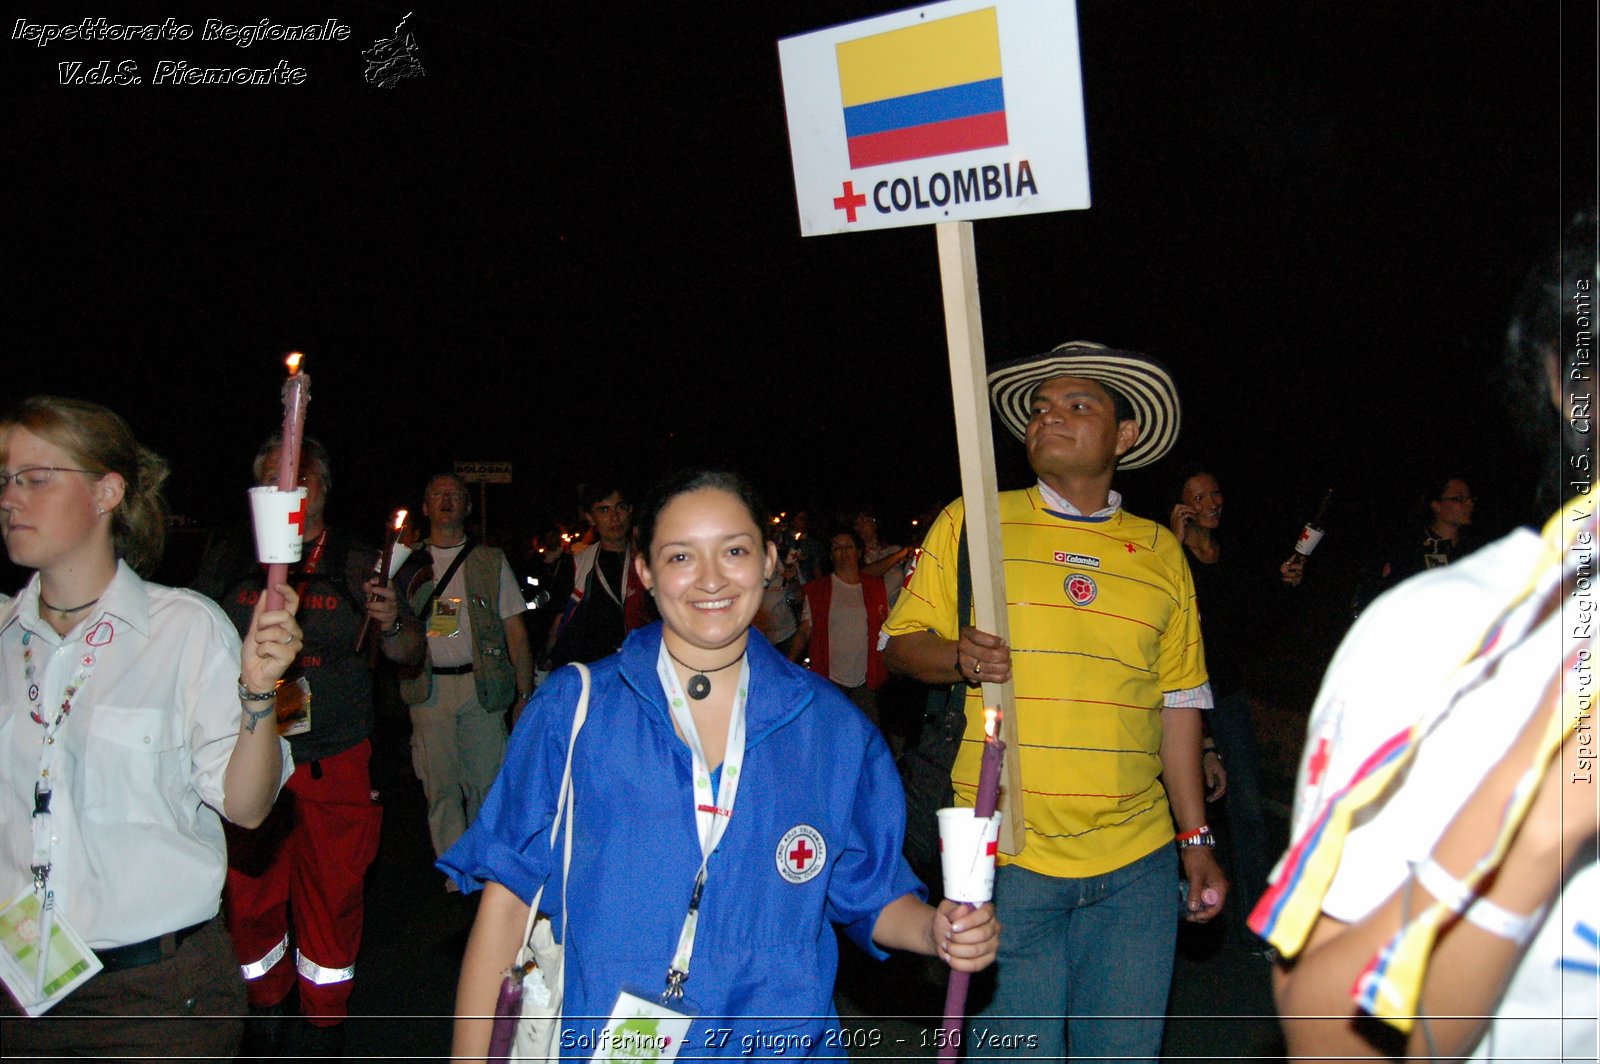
137,955
452,670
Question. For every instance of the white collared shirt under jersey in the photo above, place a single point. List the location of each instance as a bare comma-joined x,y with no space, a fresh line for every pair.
450,651
138,847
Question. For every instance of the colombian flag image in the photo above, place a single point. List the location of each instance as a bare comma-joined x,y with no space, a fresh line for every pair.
930,89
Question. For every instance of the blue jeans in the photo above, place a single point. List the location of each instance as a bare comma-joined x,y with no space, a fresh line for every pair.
1101,946
1248,838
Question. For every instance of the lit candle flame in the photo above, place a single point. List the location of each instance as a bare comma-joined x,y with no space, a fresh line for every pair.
399,520
990,716
293,362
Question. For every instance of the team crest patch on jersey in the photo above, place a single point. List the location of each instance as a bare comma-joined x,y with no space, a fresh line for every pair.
1088,561
1081,589
801,854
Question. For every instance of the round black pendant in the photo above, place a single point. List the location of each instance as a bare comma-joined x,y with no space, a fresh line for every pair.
699,686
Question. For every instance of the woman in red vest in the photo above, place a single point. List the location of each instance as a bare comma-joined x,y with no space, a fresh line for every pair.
843,612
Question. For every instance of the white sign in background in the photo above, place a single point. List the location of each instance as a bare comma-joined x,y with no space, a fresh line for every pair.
1043,89
484,472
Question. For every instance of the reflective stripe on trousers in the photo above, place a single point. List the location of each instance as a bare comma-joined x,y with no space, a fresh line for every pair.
257,969
316,973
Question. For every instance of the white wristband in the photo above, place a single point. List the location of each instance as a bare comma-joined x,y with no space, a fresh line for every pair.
1476,909
1446,888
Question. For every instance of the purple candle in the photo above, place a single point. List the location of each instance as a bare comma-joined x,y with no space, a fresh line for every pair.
994,754
955,997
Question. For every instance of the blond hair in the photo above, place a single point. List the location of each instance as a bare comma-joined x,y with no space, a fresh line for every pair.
101,442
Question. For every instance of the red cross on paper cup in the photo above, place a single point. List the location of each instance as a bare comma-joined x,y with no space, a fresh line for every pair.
279,518
801,853
967,848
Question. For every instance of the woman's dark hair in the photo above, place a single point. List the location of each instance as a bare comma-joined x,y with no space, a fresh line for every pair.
101,442
1551,341
1187,472
861,547
686,481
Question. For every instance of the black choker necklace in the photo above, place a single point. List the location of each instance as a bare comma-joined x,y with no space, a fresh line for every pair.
70,610
699,686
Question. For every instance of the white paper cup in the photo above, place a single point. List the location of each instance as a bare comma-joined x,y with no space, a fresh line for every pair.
279,518
967,847
397,558
1310,536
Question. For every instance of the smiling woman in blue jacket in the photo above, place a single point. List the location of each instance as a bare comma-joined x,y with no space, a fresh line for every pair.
708,767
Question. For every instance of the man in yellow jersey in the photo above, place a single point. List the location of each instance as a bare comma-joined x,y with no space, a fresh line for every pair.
1110,683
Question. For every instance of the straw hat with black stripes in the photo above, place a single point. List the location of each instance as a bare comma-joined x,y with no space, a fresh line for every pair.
1141,380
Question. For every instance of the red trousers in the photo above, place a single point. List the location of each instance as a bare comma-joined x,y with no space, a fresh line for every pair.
305,864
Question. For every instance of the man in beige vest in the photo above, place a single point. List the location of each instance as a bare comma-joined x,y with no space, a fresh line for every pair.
478,663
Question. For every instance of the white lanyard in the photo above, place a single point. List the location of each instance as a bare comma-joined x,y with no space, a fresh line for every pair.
599,571
99,635
712,810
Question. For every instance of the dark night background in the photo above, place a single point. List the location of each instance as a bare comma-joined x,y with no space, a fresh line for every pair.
573,246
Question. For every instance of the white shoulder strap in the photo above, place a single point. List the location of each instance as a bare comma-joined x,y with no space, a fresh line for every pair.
564,803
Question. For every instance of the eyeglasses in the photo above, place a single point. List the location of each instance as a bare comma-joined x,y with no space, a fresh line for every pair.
606,508
35,477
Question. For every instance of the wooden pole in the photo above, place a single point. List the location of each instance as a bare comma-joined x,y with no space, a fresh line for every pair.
963,318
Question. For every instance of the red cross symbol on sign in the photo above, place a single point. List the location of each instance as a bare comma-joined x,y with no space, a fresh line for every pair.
1318,763
298,518
801,854
849,201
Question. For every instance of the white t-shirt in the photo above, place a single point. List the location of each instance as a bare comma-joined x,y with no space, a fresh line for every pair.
1394,667
450,651
138,762
847,635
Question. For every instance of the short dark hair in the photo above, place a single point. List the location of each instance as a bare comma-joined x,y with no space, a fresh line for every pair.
443,476
1119,403
592,495
311,450
686,481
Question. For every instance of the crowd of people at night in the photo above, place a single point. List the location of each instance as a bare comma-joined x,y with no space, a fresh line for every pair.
749,718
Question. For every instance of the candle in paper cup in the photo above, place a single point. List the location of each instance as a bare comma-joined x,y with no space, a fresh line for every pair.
278,517
967,846
296,394
398,558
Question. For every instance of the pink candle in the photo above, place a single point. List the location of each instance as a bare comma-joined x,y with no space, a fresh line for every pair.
296,394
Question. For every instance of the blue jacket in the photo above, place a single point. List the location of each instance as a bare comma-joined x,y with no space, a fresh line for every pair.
765,956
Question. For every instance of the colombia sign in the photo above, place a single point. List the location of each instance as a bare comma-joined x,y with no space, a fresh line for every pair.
960,110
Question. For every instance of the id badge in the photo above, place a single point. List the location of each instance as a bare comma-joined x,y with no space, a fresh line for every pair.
294,706
71,962
641,1028
445,620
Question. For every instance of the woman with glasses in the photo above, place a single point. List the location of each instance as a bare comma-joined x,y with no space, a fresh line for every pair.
1444,514
131,723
